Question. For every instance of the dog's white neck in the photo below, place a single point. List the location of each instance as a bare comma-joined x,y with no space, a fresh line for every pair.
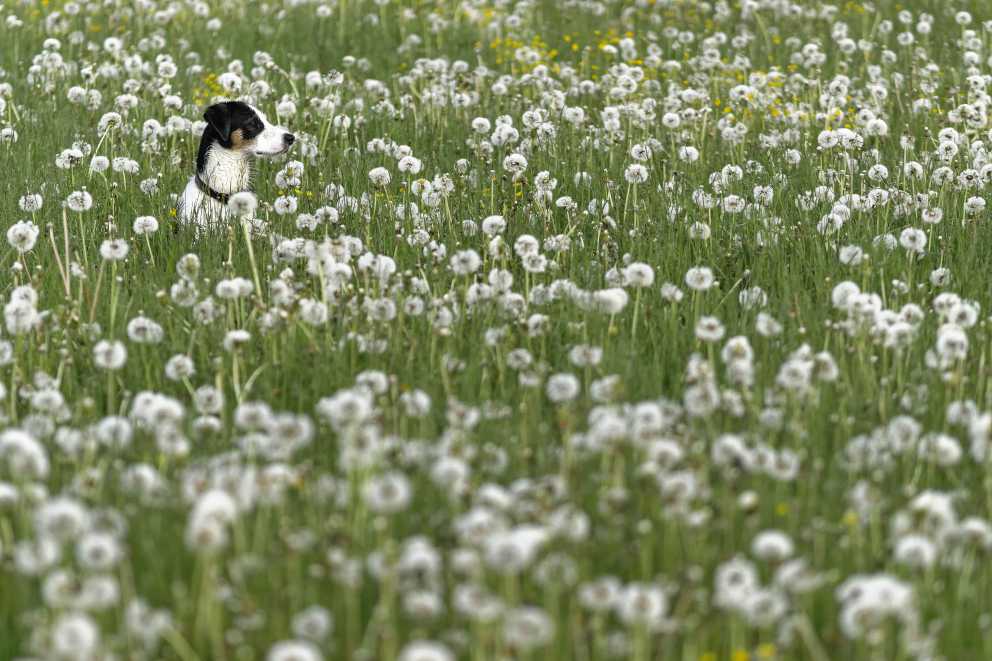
227,170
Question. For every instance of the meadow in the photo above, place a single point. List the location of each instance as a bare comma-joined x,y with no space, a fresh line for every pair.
567,330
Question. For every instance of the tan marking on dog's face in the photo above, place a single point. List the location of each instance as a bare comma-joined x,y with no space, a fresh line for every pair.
238,141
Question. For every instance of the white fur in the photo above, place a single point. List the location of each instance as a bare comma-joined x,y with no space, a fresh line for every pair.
269,141
227,171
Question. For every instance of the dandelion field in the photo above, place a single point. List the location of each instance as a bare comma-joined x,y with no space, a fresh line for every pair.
566,330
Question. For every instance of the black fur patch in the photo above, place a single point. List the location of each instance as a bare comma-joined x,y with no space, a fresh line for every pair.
223,119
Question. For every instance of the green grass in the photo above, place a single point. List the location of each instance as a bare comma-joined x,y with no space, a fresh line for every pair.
284,555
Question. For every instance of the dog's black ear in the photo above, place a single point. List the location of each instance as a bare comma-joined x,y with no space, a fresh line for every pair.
218,116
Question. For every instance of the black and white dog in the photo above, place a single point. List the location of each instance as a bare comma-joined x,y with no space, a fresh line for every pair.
235,134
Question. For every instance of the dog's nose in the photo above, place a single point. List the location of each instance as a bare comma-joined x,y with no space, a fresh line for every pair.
288,138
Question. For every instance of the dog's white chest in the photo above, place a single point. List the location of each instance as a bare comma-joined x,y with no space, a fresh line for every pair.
197,208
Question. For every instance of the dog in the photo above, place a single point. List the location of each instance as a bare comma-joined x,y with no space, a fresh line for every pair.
234,135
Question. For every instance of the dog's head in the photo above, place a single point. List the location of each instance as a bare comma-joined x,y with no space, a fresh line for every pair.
240,127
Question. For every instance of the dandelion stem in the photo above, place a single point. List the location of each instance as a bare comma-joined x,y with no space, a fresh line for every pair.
251,259
58,261
96,292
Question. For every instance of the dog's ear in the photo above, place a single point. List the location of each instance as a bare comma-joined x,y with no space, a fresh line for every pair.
218,116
